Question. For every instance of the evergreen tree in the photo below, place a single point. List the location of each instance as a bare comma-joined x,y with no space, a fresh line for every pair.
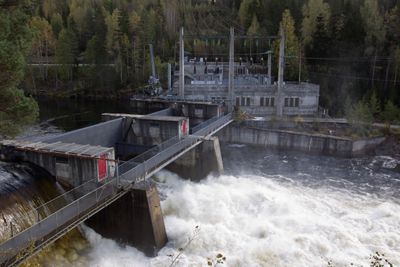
375,104
291,46
311,11
56,24
373,25
391,113
254,28
66,53
247,11
16,110
321,40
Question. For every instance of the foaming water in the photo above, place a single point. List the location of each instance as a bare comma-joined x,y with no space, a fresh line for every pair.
279,209
260,221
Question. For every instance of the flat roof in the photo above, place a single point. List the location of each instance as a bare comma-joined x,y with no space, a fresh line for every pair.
181,101
146,117
67,149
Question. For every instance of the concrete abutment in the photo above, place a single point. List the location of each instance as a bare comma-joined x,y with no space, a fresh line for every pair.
199,162
135,219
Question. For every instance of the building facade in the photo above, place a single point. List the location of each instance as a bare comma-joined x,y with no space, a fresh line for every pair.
255,93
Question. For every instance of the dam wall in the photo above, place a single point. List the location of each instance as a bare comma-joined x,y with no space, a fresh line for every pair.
291,140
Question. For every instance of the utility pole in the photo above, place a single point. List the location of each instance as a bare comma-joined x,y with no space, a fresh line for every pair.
300,63
231,83
169,69
279,108
181,92
269,67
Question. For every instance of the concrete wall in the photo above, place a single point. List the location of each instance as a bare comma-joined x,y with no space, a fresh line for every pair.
199,162
105,134
70,171
163,112
283,139
142,106
148,132
360,146
135,219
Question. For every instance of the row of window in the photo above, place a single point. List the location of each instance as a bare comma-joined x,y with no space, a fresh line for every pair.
264,101
268,101
243,101
292,102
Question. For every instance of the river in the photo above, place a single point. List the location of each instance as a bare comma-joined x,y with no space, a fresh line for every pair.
269,208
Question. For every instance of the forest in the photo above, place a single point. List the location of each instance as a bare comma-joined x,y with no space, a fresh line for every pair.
99,47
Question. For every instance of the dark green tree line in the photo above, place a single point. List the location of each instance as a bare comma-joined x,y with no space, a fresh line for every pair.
16,109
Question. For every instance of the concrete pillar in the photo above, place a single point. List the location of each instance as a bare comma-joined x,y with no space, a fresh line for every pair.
181,92
231,77
279,110
269,67
135,219
199,162
169,78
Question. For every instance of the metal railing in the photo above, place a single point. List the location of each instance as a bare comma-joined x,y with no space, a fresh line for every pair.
39,213
204,124
78,204
132,163
70,212
213,126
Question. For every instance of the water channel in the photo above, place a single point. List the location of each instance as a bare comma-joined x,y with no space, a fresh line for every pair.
269,208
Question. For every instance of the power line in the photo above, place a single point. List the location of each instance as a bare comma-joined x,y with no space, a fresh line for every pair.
344,59
354,77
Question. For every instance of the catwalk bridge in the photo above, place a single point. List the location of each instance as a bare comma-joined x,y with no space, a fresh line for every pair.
53,219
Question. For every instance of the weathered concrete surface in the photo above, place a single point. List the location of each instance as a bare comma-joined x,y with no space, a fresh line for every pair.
105,134
164,112
284,139
71,164
149,130
199,162
136,219
361,146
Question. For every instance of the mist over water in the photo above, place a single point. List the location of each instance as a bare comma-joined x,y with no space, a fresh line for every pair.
275,209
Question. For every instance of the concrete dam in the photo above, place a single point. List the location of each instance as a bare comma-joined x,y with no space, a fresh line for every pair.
105,168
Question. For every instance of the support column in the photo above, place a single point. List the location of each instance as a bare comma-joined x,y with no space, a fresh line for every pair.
231,83
199,162
269,68
279,107
169,79
135,219
181,92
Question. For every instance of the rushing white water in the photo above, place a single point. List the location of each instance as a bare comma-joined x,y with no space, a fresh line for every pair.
264,221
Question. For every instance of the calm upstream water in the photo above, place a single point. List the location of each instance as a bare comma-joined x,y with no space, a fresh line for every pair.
269,208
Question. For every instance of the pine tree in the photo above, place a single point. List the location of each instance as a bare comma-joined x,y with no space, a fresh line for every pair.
321,40
373,25
16,110
291,46
374,104
254,28
66,53
311,11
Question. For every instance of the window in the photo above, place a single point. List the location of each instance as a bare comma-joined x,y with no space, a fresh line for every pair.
237,101
272,104
262,101
286,102
62,160
292,102
248,101
296,103
243,101
267,101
